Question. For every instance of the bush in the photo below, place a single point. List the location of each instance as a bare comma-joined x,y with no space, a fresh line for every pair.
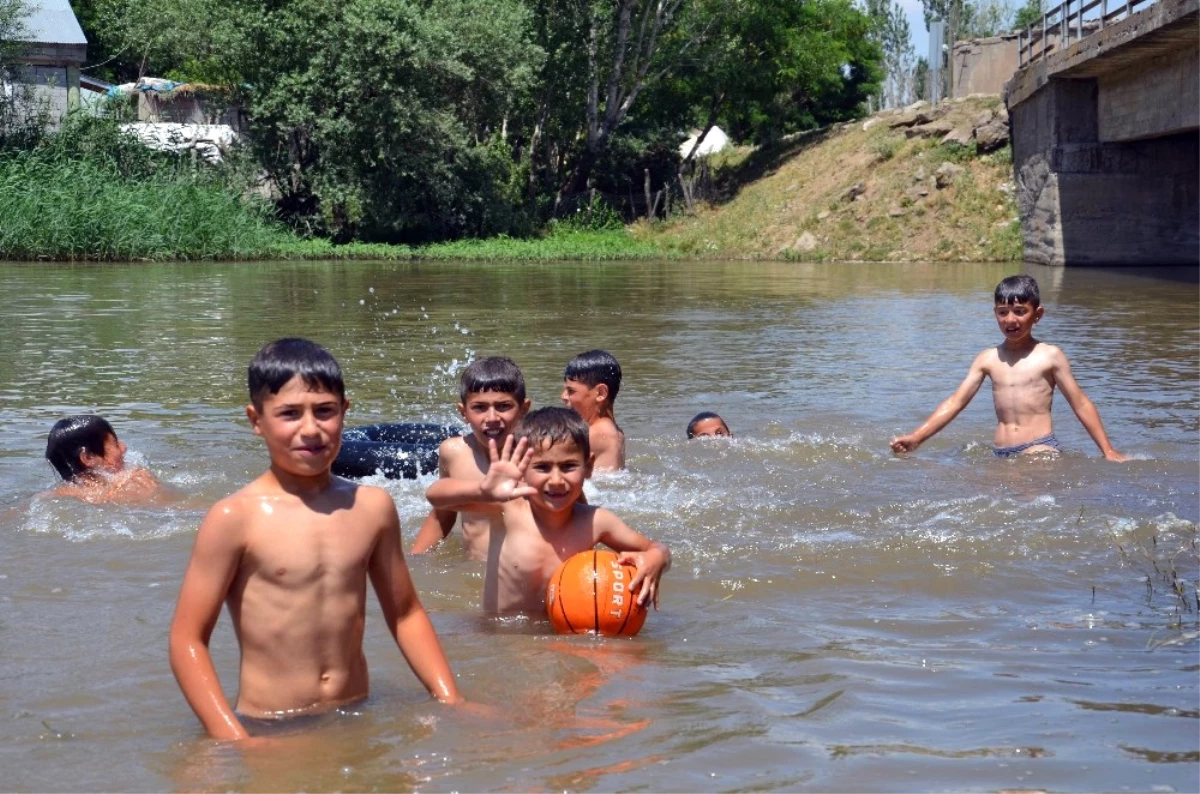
92,192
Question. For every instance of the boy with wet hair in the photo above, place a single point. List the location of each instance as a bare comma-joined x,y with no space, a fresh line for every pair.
590,385
87,454
537,478
1024,374
290,554
707,424
492,394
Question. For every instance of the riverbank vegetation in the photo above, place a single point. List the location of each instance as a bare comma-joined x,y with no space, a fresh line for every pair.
855,194
480,128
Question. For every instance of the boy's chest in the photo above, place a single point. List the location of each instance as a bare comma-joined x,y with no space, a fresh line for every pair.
299,553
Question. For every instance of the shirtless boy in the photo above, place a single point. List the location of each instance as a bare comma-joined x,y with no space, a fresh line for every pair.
538,479
87,454
1024,374
590,385
492,391
290,554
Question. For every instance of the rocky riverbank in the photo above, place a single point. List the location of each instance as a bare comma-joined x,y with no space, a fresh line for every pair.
914,184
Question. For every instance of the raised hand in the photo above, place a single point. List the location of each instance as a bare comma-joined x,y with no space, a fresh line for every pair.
504,480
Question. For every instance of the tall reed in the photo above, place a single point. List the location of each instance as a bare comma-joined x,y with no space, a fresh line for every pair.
89,192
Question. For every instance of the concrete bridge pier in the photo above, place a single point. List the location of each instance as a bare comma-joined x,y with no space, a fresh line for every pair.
1106,148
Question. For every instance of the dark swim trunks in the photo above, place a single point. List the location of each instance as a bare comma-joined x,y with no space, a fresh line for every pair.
1044,441
281,726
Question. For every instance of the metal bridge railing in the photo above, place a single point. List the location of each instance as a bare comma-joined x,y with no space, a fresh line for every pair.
1071,21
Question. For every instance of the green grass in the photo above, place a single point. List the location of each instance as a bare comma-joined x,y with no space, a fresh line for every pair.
90,193
609,244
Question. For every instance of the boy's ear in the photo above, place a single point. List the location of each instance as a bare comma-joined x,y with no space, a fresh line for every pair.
1038,312
601,392
524,407
252,415
587,467
462,410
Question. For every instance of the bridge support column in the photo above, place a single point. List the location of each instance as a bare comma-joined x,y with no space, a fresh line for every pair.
1083,201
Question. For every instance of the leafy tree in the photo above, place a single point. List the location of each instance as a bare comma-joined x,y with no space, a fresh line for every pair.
395,137
988,18
890,28
1029,14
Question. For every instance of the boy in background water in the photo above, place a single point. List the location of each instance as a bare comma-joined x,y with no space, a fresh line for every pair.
590,385
492,391
1024,374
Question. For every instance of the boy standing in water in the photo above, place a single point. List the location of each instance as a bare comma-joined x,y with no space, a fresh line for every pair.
538,479
87,454
290,554
590,385
1024,373
492,391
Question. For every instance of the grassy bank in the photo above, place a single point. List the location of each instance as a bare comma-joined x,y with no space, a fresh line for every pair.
794,200
846,193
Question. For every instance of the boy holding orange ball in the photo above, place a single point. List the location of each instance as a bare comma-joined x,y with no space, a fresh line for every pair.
537,478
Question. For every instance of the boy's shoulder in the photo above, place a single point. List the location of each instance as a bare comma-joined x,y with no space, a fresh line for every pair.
460,457
605,427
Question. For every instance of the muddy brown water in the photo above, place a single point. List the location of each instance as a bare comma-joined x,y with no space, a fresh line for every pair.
837,618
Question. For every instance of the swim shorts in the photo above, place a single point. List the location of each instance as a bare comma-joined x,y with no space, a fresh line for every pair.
1044,441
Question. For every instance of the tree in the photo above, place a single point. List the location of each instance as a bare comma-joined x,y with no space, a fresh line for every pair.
988,18
889,27
15,98
1029,14
630,45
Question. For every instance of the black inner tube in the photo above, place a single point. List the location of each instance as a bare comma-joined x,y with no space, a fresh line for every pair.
404,450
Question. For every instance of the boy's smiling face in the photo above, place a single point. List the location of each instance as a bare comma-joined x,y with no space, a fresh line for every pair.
557,470
301,427
1016,321
492,415
586,400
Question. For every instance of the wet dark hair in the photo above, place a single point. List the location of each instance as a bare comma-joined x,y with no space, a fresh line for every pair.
700,417
280,361
1018,289
556,425
596,366
70,437
494,374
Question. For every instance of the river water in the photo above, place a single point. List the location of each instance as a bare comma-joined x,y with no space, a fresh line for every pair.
837,618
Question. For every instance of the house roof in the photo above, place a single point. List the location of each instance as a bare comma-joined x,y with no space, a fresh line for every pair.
53,22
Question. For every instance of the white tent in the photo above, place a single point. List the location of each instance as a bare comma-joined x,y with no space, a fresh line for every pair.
714,141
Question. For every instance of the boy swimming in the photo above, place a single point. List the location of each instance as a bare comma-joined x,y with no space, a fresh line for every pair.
1024,374
538,477
87,454
492,391
590,385
290,554
707,424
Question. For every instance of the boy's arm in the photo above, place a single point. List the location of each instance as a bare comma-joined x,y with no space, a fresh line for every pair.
606,445
214,562
435,528
503,481
407,620
439,523
951,407
649,557
1083,407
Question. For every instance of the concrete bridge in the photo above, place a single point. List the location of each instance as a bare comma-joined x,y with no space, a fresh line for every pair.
1105,116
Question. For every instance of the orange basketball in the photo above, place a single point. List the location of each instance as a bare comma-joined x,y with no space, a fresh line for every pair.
590,593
